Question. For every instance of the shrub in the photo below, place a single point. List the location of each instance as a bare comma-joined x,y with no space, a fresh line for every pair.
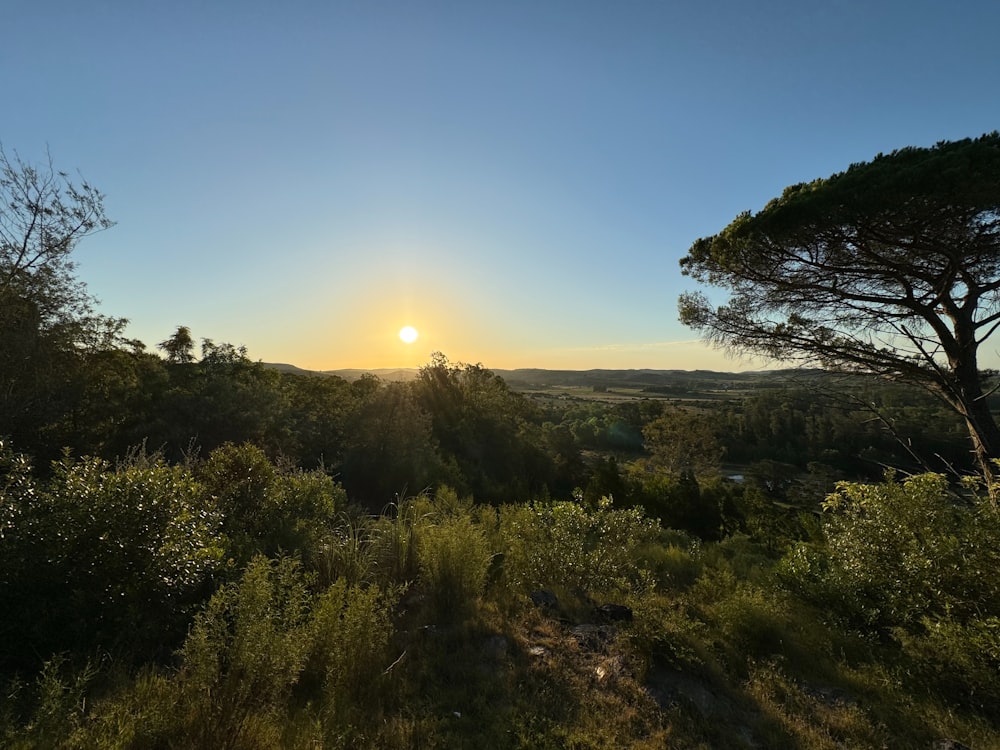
899,551
675,566
266,510
454,560
60,698
98,556
395,535
960,660
348,552
303,512
918,564
244,653
269,663
564,544
754,620
350,632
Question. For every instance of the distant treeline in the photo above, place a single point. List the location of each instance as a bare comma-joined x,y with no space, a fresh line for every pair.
460,425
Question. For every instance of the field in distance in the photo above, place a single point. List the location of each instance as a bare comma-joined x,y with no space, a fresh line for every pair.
610,385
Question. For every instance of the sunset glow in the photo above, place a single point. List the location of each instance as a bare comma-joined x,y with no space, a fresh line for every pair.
513,183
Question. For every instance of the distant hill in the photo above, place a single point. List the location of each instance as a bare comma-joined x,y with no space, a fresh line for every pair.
288,368
388,374
394,375
649,380
630,378
653,381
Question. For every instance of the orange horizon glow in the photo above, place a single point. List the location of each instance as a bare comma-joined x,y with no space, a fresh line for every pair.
396,354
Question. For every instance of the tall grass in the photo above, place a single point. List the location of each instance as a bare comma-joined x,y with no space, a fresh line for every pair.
454,560
729,646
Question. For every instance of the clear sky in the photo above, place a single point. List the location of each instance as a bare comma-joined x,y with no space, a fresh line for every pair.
516,180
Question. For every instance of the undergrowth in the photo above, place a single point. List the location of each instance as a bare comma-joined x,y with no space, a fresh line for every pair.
441,623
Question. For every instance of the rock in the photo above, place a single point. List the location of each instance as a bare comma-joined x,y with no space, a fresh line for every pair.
671,688
544,599
615,613
949,745
609,670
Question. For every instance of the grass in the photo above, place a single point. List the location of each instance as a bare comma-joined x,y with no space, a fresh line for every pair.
419,632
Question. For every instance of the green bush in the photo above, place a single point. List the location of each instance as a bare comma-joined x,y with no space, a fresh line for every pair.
60,702
266,510
270,663
396,533
675,566
743,555
564,544
897,552
917,565
960,660
454,559
348,552
753,620
303,513
105,557
350,633
243,656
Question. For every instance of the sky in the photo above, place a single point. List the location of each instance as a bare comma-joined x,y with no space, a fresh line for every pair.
516,180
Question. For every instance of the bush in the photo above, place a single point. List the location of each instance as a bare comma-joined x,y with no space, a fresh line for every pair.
900,551
564,544
244,654
454,560
102,557
960,660
754,621
268,664
676,566
348,552
266,510
919,565
396,533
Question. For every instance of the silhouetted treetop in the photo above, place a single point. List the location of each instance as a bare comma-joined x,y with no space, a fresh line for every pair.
890,267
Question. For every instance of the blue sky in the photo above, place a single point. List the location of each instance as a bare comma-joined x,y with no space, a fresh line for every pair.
517,180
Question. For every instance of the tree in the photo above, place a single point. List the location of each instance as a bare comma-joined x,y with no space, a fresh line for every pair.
891,268
223,397
392,448
48,324
684,443
43,215
485,427
179,348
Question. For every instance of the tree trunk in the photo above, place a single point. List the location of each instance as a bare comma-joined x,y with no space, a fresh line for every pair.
985,441
982,427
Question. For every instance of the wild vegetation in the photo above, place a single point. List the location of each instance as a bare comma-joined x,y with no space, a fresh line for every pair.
200,551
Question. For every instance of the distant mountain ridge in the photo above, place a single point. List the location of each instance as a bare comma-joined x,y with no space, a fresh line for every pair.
534,378
385,373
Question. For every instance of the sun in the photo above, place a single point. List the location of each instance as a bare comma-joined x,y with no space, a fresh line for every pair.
408,334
